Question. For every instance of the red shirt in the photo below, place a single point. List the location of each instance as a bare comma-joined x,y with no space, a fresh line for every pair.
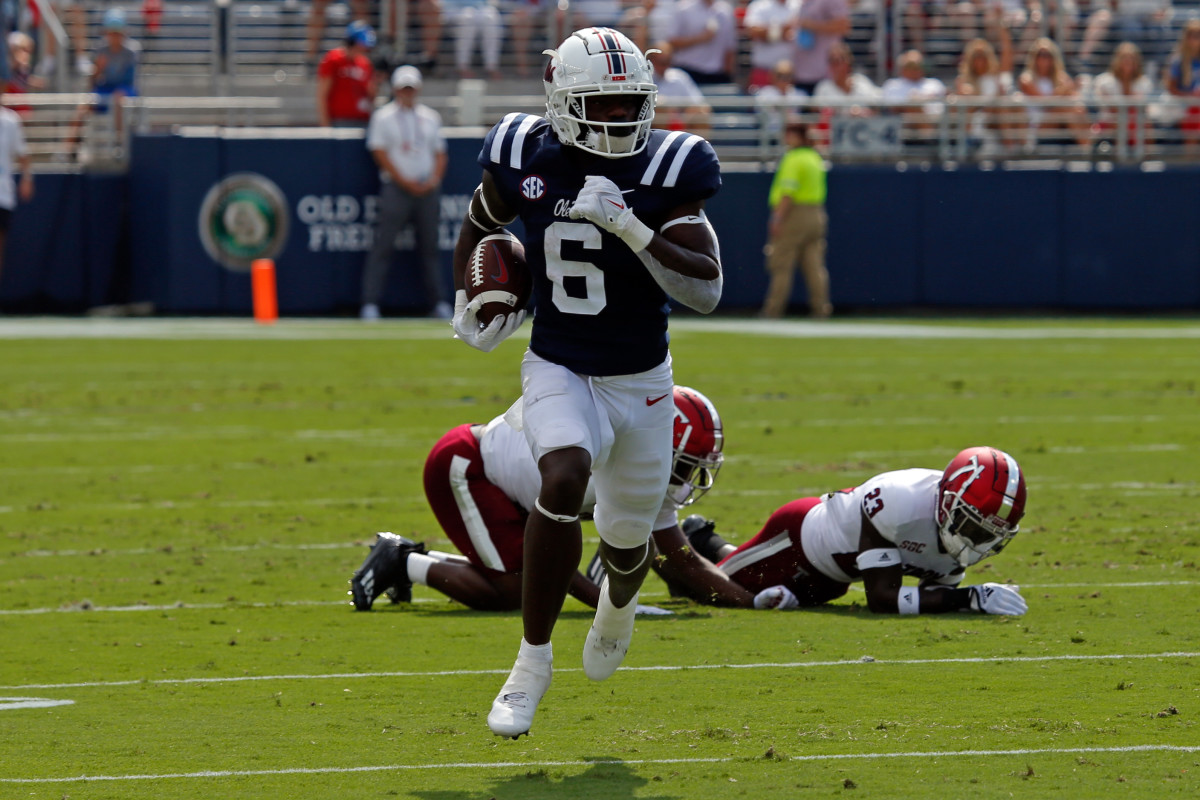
349,92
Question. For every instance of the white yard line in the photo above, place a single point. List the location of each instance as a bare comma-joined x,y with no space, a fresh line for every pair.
182,606
294,329
525,765
858,662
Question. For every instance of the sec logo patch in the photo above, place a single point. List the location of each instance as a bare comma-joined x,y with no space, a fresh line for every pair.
533,187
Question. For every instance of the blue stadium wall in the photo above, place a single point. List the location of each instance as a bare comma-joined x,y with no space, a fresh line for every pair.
1123,239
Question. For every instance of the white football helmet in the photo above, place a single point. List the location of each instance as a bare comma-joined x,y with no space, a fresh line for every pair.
594,63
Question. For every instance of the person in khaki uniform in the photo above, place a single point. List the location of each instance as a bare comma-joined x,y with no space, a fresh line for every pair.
796,234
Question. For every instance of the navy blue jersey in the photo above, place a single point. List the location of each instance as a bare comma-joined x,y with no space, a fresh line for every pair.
598,311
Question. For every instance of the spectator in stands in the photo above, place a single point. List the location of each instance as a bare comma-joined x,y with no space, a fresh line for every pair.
822,24
405,139
914,95
346,84
1183,80
475,20
20,71
12,151
1143,22
1125,78
316,24
595,13
771,28
984,75
525,16
114,78
681,104
1054,19
770,99
1045,76
73,16
647,21
704,36
844,83
796,232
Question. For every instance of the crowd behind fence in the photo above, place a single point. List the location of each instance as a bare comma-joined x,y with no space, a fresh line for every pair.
233,62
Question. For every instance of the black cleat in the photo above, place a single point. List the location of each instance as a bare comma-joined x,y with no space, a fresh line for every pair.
385,569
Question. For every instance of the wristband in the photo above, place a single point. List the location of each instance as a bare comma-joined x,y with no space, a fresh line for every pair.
908,601
637,235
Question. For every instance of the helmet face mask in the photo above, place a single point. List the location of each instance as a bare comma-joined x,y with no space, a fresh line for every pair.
981,499
698,440
586,74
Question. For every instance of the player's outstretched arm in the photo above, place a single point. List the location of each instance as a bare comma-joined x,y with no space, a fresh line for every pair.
704,583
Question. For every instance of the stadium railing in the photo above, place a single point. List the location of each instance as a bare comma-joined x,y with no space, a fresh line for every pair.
960,130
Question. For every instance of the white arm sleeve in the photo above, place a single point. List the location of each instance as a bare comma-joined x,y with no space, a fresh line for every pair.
699,295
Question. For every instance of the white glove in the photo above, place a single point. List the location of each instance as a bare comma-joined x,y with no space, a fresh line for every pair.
466,324
779,598
998,598
601,203
651,611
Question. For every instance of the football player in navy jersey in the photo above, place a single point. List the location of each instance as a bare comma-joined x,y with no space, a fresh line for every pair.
614,226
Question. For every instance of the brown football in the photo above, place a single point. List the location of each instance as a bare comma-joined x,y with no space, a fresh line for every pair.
497,272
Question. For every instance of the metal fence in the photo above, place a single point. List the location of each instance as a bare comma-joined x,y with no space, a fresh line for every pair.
960,130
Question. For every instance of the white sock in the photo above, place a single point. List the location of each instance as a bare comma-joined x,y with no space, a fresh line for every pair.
418,568
443,557
535,652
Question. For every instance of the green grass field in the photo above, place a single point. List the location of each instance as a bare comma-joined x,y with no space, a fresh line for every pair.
182,502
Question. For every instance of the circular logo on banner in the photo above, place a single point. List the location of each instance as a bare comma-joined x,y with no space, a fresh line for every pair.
243,217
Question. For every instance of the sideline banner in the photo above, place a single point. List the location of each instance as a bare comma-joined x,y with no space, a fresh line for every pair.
197,207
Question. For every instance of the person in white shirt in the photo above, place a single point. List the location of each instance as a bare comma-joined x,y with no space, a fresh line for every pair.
779,99
912,90
985,75
844,83
704,35
1125,78
405,139
680,104
12,151
771,27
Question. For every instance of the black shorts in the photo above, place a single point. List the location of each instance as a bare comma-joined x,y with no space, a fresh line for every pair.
5,218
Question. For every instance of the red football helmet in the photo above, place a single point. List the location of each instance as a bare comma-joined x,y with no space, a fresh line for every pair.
698,442
981,499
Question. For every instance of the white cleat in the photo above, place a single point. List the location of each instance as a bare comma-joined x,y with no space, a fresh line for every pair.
608,640
513,709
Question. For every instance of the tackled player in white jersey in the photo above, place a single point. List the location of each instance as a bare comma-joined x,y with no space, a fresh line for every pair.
481,481
924,523
614,223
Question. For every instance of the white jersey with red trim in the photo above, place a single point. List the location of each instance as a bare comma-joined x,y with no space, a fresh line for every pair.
902,506
508,463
